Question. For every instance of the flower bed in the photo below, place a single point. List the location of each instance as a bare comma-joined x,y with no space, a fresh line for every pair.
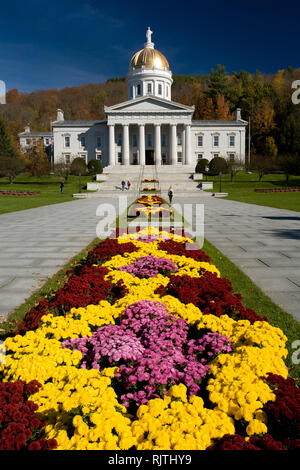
149,180
150,207
19,193
277,190
147,347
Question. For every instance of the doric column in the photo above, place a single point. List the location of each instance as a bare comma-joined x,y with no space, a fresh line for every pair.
125,149
188,155
157,144
173,144
111,145
142,144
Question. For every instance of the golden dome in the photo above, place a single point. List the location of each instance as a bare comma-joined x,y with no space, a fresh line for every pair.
149,58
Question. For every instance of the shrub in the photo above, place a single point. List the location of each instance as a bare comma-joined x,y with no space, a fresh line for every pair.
217,165
95,167
78,166
201,165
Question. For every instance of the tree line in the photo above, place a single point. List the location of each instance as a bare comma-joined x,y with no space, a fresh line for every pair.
265,99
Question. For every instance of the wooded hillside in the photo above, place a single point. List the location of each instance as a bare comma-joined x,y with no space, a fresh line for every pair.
275,120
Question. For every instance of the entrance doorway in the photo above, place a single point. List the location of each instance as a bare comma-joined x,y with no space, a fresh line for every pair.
149,157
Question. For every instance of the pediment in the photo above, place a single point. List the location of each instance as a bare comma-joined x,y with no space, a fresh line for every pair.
148,104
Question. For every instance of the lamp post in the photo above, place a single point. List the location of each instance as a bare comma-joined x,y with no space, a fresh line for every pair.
80,182
220,189
206,171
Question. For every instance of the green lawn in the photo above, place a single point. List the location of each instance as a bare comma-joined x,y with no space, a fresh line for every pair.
242,189
47,186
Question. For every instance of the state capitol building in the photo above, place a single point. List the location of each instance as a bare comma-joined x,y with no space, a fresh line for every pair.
149,128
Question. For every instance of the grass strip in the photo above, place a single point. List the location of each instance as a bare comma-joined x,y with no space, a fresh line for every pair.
255,299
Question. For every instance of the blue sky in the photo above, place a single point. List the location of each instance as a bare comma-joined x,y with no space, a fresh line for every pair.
56,44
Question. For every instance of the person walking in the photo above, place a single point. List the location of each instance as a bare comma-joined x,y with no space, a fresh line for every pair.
170,194
62,187
123,185
128,185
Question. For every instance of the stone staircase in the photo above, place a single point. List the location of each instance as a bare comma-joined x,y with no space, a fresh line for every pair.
179,177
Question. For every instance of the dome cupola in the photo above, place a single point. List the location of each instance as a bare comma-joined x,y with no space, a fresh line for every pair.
149,73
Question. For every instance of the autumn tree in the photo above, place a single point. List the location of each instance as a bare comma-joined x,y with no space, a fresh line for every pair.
208,109
223,109
37,162
271,149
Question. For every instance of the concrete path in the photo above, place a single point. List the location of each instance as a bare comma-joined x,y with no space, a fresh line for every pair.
36,243
263,242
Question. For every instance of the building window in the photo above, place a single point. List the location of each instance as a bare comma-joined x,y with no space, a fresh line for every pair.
149,140
179,138
200,140
47,141
138,90
67,158
231,140
99,142
163,140
216,141
134,140
82,141
98,156
199,156
67,141
119,157
28,141
164,158
159,89
179,157
231,157
215,155
149,88
119,140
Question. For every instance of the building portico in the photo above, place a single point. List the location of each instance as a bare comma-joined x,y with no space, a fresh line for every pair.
149,124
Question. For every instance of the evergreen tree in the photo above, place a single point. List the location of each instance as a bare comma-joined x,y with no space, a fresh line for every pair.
10,162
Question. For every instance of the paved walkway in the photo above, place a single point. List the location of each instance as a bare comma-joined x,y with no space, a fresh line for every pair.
36,243
264,242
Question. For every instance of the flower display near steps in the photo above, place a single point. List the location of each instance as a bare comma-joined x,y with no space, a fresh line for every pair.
157,355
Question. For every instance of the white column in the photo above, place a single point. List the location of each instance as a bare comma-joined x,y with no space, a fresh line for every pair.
188,154
125,149
183,146
173,144
157,144
142,144
111,145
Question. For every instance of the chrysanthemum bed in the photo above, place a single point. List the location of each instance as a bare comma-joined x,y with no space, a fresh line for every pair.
147,347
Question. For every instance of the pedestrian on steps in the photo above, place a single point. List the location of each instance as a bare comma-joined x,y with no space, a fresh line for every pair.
128,185
123,185
170,194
